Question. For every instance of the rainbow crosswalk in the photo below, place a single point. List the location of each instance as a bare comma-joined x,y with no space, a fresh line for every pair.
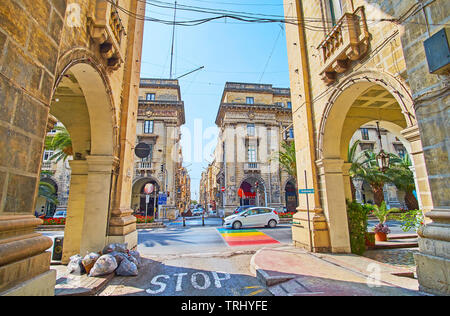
245,237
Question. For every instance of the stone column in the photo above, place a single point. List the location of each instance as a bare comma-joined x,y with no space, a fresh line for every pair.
29,44
75,209
412,135
333,194
347,180
98,201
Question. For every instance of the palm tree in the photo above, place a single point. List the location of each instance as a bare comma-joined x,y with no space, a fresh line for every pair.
356,165
48,192
287,159
372,174
403,178
61,143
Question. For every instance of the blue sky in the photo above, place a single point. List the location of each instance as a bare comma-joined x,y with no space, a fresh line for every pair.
229,51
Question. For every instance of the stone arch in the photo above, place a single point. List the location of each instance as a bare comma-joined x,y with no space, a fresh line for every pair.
255,178
91,75
137,195
291,180
83,102
354,102
340,102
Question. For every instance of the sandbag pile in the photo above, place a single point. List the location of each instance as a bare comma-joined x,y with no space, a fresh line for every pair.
114,258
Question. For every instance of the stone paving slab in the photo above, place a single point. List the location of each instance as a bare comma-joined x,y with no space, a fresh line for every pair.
78,285
302,273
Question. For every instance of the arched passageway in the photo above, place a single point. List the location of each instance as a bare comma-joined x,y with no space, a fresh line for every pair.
252,191
81,102
140,203
361,99
291,196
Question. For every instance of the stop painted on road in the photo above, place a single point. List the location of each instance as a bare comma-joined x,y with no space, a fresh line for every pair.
198,280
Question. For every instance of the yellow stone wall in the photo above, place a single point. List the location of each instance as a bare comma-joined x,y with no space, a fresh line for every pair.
327,111
43,44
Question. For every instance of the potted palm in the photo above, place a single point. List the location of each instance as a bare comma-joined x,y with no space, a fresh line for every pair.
381,212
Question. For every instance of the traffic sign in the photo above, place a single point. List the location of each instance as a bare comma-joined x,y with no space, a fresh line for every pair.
162,199
142,150
306,191
223,189
149,187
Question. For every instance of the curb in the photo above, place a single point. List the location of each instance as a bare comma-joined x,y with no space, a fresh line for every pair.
264,277
150,225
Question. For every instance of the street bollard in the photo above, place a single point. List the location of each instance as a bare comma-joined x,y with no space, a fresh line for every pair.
203,219
184,221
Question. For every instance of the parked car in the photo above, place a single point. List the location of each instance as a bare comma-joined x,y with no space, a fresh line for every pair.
242,208
253,217
60,214
197,212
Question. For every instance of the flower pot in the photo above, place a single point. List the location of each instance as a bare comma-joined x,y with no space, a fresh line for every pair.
380,236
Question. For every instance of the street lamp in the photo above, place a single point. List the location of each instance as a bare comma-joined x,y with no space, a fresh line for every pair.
383,159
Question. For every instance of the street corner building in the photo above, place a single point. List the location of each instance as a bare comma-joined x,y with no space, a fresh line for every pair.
253,120
76,62
160,117
356,62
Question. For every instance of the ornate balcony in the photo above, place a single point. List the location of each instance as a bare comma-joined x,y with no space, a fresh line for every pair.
106,29
348,41
144,165
47,165
251,166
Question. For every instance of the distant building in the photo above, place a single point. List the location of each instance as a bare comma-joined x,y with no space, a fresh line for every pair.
160,116
254,119
367,136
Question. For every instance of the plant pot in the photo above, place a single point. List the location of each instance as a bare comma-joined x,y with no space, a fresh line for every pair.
380,236
370,239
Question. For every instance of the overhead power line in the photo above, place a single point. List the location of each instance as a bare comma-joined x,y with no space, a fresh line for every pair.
313,24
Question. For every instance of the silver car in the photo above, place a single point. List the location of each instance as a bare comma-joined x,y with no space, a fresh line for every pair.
255,216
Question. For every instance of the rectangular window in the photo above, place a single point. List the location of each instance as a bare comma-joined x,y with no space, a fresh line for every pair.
47,155
251,129
250,100
252,153
365,133
148,127
150,97
291,132
289,105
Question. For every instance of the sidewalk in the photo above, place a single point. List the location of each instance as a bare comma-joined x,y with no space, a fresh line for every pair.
290,271
78,285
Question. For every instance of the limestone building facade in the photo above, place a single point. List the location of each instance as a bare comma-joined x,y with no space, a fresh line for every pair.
363,62
253,120
160,116
79,61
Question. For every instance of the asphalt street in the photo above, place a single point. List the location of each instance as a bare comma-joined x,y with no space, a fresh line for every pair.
197,260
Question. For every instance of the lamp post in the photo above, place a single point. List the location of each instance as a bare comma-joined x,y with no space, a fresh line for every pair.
383,158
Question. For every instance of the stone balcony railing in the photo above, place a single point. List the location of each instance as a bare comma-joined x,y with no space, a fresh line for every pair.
348,41
251,166
47,165
144,165
107,30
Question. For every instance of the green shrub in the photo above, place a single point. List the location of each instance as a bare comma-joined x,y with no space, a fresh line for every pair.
357,224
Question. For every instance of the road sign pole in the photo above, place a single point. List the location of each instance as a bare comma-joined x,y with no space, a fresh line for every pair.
307,209
147,200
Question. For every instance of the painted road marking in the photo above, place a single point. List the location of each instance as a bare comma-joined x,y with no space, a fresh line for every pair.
198,280
245,237
258,289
